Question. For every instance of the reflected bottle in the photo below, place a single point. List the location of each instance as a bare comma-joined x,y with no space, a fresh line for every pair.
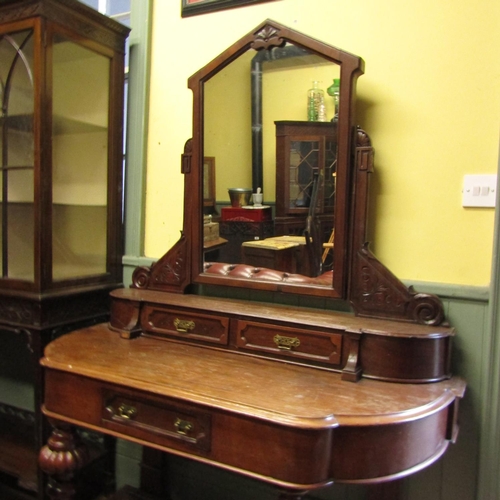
315,102
334,91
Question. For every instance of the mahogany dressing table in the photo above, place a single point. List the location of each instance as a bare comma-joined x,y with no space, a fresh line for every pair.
298,397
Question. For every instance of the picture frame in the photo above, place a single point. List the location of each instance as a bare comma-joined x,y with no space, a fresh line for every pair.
209,183
195,7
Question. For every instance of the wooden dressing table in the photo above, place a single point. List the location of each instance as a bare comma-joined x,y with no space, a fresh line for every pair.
294,396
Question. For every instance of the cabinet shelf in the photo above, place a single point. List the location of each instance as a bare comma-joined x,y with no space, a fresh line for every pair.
18,122
64,125
61,124
18,167
17,442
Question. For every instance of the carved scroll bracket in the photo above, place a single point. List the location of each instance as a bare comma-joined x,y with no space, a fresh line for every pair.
168,274
376,292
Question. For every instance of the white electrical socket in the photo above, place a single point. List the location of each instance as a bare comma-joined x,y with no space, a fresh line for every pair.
479,190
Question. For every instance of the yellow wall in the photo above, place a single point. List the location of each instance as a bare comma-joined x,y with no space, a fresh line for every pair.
430,100
227,116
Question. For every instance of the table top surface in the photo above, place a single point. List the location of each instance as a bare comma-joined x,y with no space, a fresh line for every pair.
282,392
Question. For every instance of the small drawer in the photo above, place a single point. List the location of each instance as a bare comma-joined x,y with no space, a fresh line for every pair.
293,342
184,324
173,425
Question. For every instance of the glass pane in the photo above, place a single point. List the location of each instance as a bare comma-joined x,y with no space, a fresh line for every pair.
91,3
17,158
80,160
304,161
117,7
330,175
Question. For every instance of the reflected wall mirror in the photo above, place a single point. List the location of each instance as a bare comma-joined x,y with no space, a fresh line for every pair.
307,234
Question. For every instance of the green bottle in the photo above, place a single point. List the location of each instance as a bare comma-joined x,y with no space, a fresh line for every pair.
334,91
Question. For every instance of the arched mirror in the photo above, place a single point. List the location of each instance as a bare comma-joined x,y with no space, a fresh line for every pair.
255,133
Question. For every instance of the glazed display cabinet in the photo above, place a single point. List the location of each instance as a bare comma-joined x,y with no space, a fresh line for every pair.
306,152
61,145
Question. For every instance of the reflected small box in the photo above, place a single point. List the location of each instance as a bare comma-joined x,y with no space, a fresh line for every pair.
251,214
210,231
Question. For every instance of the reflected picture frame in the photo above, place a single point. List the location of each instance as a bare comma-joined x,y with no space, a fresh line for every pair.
195,7
209,182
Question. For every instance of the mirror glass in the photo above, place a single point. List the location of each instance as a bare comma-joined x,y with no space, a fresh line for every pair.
259,137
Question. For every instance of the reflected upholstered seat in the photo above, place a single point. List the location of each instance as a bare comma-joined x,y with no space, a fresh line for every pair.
262,273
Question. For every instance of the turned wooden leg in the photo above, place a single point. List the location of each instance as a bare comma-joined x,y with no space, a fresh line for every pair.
60,459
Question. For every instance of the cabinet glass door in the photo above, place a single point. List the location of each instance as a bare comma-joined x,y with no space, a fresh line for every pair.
17,155
310,159
305,161
79,160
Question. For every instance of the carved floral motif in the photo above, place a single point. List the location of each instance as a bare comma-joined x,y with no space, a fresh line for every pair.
170,272
16,312
267,38
20,13
17,414
242,225
377,293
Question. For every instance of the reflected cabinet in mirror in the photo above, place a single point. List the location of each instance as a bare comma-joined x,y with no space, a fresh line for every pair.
276,181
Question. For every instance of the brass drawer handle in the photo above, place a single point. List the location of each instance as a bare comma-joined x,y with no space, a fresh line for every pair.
183,426
286,343
126,411
184,325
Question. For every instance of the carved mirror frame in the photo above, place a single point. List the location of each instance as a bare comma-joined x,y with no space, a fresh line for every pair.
358,277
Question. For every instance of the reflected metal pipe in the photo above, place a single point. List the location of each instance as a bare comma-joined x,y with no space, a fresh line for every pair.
256,89
256,70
